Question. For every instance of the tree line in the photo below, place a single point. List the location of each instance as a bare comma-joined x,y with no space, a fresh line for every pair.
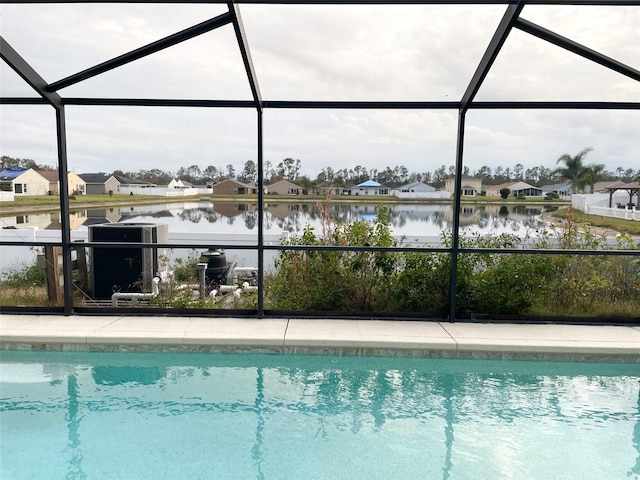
572,169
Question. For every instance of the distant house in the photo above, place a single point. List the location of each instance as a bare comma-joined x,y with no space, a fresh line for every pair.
370,187
470,186
76,185
131,182
416,187
23,182
231,187
177,183
325,187
284,187
494,190
98,183
517,189
562,189
418,190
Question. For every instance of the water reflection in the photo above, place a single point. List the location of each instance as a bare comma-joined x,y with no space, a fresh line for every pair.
242,218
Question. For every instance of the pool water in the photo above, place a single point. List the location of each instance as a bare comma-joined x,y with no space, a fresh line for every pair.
250,416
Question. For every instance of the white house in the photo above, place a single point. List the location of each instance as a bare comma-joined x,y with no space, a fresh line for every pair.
516,189
23,182
178,183
563,190
418,190
370,187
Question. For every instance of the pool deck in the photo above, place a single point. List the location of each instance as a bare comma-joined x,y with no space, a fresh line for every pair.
345,337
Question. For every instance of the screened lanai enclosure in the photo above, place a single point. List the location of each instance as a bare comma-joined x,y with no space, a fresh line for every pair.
296,92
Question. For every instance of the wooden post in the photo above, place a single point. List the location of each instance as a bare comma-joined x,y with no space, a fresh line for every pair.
81,264
52,274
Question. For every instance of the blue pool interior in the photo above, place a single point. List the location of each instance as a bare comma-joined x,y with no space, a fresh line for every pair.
81,415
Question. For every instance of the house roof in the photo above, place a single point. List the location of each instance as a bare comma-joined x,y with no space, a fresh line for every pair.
522,186
501,186
51,175
94,177
129,181
555,186
11,173
415,184
229,180
369,183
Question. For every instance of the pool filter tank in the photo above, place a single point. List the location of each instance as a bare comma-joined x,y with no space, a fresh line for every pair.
217,268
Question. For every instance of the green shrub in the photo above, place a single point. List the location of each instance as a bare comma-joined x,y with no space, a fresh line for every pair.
332,279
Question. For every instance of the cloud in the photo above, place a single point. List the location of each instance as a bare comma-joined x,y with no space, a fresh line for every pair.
315,52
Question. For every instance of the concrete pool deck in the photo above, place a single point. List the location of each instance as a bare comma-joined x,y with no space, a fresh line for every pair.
348,337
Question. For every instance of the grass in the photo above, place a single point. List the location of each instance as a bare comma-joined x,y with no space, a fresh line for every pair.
631,227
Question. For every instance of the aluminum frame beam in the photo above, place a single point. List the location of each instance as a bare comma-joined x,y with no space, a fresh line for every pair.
27,73
617,3
243,43
329,105
141,52
578,49
495,45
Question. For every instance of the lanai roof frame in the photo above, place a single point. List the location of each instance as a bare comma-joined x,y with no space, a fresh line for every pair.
511,20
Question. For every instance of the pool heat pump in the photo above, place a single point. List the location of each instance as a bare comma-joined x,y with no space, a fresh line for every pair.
125,269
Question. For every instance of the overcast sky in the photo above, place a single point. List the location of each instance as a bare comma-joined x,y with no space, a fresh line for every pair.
425,53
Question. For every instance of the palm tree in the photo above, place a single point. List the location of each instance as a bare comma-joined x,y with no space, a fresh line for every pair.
593,173
573,169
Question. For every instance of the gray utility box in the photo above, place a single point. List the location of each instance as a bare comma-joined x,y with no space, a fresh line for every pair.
125,269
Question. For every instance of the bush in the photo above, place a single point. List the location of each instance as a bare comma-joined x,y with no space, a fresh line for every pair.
332,279
504,193
486,283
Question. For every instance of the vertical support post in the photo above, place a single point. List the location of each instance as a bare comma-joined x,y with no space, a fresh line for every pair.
65,226
260,219
455,238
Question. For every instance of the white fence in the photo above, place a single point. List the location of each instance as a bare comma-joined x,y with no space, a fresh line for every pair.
598,204
7,197
623,213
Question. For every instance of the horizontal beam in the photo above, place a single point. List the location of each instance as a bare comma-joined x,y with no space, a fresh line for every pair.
629,3
576,48
138,53
328,105
150,102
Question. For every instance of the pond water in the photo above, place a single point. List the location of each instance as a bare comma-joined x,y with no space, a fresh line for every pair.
239,221
242,218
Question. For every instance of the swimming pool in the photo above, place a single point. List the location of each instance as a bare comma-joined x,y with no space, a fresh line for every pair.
252,416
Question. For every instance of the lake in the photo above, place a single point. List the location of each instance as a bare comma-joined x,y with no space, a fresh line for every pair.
413,222
408,219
